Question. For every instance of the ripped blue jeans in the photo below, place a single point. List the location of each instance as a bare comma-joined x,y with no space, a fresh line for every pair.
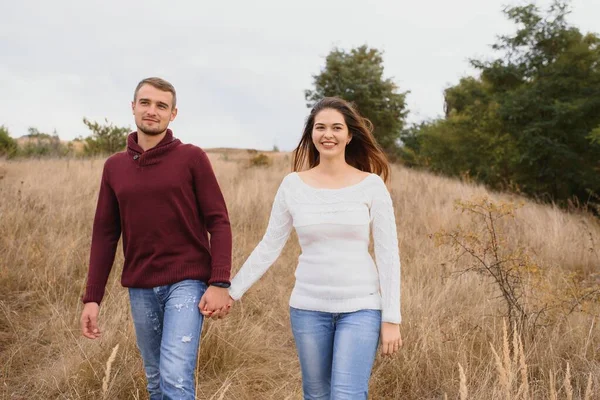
168,326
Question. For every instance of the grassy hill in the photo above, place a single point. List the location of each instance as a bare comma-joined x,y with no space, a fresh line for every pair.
452,316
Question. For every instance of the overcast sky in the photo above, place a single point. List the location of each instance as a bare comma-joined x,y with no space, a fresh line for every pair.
240,67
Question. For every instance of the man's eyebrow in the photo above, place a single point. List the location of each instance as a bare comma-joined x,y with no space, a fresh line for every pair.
161,103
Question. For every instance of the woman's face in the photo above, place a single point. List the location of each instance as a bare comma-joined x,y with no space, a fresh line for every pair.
330,133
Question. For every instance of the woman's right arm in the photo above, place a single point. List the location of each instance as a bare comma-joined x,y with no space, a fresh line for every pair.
269,248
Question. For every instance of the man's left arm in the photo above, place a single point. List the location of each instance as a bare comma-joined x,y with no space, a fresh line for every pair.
212,206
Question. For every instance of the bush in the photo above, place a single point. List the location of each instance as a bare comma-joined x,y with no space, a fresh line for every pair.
8,146
260,160
530,295
39,144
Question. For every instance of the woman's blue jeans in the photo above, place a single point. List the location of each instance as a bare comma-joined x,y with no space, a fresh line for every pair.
336,352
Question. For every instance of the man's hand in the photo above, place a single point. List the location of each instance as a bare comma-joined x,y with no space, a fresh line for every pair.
391,341
89,320
215,303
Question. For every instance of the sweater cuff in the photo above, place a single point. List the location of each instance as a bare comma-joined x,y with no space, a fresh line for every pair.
220,275
392,316
93,294
235,292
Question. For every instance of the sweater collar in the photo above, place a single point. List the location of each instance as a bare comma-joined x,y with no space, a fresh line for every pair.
153,155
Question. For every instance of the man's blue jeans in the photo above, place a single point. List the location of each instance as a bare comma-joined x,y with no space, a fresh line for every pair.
336,352
168,324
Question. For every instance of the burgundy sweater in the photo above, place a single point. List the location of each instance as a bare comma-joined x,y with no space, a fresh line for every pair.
164,202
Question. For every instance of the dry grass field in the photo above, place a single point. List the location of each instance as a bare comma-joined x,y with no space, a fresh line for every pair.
452,323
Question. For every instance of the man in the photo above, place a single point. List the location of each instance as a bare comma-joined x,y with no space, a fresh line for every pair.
163,198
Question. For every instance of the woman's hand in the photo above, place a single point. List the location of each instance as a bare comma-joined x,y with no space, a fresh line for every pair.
391,341
215,303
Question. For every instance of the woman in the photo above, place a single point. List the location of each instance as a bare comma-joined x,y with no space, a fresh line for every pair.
342,302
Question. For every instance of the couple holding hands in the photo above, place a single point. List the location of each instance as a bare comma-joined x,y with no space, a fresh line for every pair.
161,196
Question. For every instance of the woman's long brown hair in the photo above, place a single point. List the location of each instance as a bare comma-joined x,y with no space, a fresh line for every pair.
363,152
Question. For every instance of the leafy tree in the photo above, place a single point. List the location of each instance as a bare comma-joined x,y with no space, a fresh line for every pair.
470,141
531,118
548,90
105,139
357,76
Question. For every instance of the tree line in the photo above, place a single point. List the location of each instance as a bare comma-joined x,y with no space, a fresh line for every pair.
105,139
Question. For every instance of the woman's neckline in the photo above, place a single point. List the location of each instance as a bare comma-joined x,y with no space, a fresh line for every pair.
333,189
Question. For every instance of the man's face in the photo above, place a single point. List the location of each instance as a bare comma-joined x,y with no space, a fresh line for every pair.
153,110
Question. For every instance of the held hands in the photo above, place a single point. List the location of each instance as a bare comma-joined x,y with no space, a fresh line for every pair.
215,303
391,341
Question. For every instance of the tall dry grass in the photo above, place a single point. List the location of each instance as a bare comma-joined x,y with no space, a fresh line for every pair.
452,324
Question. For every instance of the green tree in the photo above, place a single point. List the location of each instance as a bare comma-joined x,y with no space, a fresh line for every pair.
532,116
410,151
471,140
548,89
8,146
105,139
357,76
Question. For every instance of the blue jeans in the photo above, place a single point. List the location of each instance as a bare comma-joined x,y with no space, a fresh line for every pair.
336,352
168,324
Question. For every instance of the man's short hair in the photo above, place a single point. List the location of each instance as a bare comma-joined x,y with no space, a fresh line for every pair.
159,84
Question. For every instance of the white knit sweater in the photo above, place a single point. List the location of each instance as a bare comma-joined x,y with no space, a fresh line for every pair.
335,271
